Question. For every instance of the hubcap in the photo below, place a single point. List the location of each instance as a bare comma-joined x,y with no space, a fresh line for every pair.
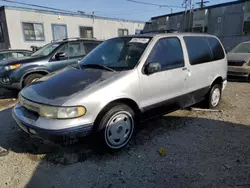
119,130
215,97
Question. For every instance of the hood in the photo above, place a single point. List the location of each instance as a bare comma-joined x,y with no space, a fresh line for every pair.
56,89
238,56
22,60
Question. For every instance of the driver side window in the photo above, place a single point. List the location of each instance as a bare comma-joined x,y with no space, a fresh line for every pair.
168,52
72,50
64,50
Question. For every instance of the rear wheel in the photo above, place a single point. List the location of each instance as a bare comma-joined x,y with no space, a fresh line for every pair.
117,126
214,96
31,78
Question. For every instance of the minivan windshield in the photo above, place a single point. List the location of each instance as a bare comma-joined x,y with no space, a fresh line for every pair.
46,50
242,48
117,54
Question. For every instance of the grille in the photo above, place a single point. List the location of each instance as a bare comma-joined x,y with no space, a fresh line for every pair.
236,63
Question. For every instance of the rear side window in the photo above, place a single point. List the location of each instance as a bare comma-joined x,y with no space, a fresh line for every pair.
3,56
90,46
216,48
198,50
168,52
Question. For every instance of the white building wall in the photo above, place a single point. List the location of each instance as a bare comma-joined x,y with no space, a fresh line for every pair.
102,28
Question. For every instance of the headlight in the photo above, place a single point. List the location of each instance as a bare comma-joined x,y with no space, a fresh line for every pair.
12,67
62,112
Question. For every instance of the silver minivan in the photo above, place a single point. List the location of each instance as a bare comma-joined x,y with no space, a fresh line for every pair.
124,80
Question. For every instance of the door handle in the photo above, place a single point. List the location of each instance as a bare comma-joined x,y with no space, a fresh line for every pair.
188,71
184,69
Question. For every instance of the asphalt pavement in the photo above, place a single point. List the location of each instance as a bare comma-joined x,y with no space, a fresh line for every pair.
193,149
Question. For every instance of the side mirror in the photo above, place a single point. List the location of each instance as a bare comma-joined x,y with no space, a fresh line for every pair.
60,55
152,68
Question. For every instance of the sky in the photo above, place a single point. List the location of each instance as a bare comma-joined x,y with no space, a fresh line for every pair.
115,8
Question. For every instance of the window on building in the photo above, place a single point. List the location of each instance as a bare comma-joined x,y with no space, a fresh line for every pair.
168,52
198,29
246,27
216,48
122,32
33,32
198,50
59,31
1,33
86,32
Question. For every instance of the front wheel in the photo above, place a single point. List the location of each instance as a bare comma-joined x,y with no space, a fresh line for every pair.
31,78
117,126
214,96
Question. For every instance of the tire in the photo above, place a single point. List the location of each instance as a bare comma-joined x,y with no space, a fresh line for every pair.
113,135
31,78
214,96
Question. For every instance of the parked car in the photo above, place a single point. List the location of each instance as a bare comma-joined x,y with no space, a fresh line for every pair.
239,60
16,74
124,80
10,54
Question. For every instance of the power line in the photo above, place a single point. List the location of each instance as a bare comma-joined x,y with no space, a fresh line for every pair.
38,6
128,12
153,4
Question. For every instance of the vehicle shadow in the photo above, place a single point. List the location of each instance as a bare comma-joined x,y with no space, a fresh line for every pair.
238,79
197,149
7,94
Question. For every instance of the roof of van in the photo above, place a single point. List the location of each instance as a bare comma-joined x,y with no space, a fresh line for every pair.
169,34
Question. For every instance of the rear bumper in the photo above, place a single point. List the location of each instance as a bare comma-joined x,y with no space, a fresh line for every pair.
55,136
238,71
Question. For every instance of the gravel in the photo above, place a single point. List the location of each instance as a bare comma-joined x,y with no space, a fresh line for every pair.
184,149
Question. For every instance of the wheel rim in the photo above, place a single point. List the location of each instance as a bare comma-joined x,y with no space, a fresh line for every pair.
215,97
119,129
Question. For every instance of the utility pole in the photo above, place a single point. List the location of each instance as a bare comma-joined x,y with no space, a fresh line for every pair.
185,15
190,16
202,3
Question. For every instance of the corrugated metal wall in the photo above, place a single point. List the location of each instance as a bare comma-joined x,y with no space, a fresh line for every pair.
225,22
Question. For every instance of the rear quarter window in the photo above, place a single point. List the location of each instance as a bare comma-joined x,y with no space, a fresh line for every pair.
216,48
198,50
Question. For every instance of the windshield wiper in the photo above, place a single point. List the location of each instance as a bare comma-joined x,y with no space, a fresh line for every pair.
98,66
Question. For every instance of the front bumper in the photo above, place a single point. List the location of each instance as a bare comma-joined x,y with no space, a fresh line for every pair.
13,77
26,121
11,86
239,71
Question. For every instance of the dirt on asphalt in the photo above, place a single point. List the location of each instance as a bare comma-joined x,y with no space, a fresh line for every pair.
184,149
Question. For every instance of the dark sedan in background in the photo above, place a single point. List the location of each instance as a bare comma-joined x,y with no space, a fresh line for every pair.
10,54
18,73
